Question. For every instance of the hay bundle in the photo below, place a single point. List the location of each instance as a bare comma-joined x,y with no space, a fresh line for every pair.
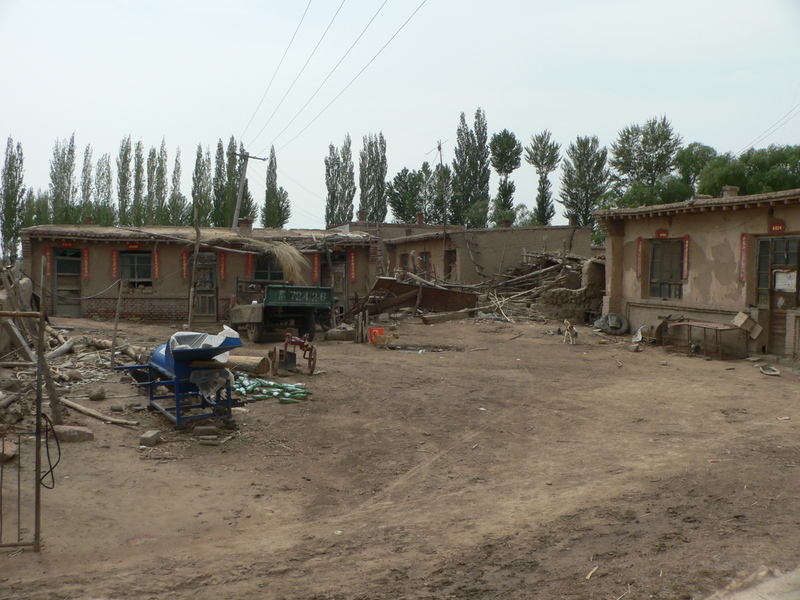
287,256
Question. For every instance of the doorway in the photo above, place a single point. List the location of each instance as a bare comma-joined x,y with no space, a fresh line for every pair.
67,282
205,291
777,285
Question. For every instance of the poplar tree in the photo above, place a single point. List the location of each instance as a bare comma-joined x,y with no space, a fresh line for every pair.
543,154
277,209
220,184
104,212
124,181
150,198
506,151
202,187
161,216
87,186
372,177
471,174
177,212
341,183
404,194
12,190
62,181
584,179
138,212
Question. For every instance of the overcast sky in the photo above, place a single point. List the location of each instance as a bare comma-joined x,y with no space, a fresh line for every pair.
725,72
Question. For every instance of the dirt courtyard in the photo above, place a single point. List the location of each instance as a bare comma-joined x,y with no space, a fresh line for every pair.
510,465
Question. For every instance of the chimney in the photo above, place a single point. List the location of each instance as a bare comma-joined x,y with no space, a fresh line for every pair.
246,225
420,222
572,218
88,220
362,216
730,191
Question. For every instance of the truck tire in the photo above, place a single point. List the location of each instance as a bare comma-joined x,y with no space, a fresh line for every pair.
307,325
256,332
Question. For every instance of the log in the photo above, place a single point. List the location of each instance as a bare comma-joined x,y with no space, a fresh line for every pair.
257,365
56,334
97,415
137,353
450,316
6,402
18,341
62,349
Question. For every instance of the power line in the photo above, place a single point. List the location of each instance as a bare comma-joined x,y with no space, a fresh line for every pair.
313,52
336,66
356,77
285,52
779,123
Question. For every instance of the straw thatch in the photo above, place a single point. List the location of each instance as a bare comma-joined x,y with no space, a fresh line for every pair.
287,256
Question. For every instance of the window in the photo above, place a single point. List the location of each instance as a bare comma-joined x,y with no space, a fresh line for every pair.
267,269
666,269
136,268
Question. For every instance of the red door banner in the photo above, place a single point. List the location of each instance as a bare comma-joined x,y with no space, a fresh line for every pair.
351,264
250,266
85,263
185,264
743,259
115,264
156,264
685,257
639,257
48,254
223,266
315,267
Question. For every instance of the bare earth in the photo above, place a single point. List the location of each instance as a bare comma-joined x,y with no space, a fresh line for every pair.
516,466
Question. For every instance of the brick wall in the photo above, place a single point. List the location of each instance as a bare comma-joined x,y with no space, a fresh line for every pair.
152,306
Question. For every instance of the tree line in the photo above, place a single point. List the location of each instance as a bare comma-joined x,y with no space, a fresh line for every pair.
647,164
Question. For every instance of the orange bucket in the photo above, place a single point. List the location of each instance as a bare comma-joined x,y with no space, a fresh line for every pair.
373,331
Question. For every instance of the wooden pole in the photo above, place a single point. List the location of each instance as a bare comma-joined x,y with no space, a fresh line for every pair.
37,499
116,324
193,278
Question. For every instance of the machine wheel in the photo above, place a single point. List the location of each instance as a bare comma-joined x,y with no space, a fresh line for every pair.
256,332
312,360
307,324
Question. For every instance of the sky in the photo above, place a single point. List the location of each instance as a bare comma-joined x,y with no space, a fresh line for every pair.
726,73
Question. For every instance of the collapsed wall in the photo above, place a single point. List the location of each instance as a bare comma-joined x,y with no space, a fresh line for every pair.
580,298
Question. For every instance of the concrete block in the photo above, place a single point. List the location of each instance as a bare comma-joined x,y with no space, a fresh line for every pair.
206,430
72,433
8,449
150,438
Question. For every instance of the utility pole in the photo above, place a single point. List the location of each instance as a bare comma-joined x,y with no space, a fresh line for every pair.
242,177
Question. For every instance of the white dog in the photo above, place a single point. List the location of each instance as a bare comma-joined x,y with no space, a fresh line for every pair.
570,333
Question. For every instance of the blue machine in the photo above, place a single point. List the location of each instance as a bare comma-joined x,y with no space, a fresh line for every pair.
185,365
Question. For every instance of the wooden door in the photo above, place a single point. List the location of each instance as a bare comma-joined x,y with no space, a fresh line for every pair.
67,282
206,292
777,265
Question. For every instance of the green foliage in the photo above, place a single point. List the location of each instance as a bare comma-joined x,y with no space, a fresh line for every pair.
372,177
277,209
641,157
12,191
177,208
220,183
543,154
86,202
506,152
691,160
469,204
150,198
104,212
138,212
437,193
759,171
124,182
36,209
584,179
202,188
161,187
341,183
62,181
404,194
248,207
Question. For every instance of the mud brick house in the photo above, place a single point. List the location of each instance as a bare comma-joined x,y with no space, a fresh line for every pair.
470,256
706,260
84,262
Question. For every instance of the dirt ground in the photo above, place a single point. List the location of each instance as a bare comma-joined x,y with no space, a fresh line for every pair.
510,465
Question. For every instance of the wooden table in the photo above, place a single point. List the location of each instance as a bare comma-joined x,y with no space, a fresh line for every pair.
715,328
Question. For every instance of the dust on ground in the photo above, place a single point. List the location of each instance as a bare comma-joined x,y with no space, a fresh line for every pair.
508,465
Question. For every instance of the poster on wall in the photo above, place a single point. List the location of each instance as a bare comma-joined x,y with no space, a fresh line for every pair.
351,265
115,264
639,257
157,264
743,259
222,257
185,264
685,257
85,263
48,255
315,267
785,281
249,266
